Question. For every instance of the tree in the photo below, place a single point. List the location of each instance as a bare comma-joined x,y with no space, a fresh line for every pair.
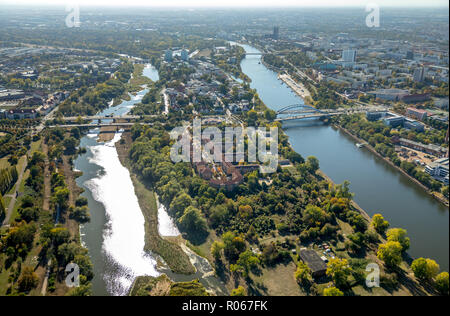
28,280
80,214
390,253
61,196
70,144
312,164
240,291
193,221
399,234
246,262
252,116
339,270
425,269
234,246
216,249
179,204
442,283
303,273
270,115
379,223
444,191
82,290
332,291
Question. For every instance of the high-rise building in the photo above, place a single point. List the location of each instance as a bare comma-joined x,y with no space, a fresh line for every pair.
168,56
419,74
276,32
184,55
349,55
410,55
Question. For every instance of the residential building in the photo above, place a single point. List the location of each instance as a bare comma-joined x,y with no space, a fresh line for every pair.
184,55
276,32
439,170
168,56
417,113
413,98
413,125
431,149
349,55
419,74
375,116
20,114
389,94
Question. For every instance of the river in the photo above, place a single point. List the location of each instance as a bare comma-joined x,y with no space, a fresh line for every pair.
115,234
378,187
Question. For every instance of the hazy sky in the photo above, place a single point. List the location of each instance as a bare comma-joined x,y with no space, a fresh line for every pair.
406,3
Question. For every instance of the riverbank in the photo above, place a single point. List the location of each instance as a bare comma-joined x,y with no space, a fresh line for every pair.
298,88
385,159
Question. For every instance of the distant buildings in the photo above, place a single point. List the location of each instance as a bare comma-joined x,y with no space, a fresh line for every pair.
395,120
168,56
410,55
417,114
349,55
20,114
389,94
184,55
419,74
276,33
10,95
397,95
431,149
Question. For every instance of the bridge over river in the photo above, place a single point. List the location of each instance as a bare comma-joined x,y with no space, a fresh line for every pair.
303,111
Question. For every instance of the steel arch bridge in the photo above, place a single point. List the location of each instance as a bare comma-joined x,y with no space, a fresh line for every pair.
299,109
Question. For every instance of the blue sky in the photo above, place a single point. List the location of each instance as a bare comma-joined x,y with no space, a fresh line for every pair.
314,3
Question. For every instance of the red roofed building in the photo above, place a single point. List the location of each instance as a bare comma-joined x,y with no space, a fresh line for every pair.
417,113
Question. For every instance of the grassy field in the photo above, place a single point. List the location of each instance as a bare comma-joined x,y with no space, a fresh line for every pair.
138,79
277,281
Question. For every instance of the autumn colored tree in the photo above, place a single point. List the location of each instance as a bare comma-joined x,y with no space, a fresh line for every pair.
379,223
303,273
441,283
390,253
239,291
332,291
399,235
425,269
27,280
339,270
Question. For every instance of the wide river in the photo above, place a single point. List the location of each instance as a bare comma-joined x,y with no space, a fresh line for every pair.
378,187
115,234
